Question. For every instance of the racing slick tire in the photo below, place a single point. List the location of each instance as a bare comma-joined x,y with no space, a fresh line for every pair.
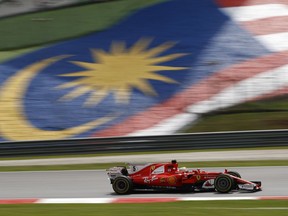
122,185
234,173
224,183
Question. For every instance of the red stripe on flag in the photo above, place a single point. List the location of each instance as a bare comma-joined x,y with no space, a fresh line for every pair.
144,200
199,92
18,201
236,3
267,26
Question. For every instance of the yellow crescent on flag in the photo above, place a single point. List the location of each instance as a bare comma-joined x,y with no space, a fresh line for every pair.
13,123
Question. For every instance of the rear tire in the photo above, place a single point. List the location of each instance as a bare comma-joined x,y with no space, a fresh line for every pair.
224,183
122,185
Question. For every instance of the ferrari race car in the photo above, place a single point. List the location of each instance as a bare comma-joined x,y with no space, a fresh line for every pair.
167,176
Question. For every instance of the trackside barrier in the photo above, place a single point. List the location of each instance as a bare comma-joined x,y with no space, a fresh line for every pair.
214,140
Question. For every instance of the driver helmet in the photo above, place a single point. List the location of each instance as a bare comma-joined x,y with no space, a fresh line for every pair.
183,169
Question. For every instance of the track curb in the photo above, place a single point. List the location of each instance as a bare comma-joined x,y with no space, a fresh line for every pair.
130,200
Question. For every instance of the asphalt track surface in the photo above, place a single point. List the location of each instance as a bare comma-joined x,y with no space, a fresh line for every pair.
94,184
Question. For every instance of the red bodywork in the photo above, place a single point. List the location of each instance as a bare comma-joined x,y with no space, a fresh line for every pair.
172,176
169,176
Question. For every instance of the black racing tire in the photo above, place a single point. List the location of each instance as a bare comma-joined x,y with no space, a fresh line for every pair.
224,183
122,185
234,173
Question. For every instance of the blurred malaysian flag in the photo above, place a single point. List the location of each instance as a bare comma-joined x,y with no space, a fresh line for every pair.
152,73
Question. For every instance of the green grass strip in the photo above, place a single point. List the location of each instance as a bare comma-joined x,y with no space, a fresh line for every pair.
215,208
6,55
108,165
62,24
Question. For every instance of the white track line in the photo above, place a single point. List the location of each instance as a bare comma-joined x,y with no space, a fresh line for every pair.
75,200
142,200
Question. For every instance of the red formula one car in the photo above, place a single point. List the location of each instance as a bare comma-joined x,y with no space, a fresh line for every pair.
167,176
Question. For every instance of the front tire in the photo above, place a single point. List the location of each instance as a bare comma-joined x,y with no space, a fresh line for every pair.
224,183
122,185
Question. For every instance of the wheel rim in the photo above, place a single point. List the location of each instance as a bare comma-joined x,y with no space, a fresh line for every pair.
223,184
121,185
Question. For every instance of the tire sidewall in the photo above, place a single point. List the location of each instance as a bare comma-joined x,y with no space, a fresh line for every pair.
122,185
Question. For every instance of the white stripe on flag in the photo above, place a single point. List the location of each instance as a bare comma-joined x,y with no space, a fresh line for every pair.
248,89
255,12
274,42
167,126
